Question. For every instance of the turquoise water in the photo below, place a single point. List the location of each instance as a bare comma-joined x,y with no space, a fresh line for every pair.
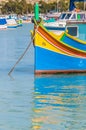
16,92
28,102
60,102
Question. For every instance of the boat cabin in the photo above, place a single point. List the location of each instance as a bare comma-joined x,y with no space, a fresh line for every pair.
73,16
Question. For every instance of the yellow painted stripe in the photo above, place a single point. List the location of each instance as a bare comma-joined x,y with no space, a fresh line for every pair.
39,41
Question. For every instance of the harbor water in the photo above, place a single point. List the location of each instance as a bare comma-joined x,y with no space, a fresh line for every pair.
29,102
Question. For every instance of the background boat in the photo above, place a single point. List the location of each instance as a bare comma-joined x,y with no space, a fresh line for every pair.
73,16
65,19
19,22
3,23
11,23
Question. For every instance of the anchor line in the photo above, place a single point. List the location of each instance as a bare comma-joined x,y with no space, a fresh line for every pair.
12,69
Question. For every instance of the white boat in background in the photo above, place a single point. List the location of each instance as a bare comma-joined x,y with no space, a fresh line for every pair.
73,16
66,18
3,23
53,15
11,23
26,19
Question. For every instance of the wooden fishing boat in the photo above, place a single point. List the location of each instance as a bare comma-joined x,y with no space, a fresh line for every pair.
57,53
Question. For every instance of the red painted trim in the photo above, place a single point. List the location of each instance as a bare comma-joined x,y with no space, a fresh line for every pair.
42,72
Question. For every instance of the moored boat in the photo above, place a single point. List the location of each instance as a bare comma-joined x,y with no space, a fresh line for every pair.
3,23
19,22
57,53
11,23
73,16
66,18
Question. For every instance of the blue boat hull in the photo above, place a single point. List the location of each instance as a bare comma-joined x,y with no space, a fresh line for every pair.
10,26
49,61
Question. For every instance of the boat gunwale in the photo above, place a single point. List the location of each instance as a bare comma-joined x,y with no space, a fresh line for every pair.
60,42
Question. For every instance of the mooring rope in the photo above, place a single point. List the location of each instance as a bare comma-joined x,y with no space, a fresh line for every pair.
23,53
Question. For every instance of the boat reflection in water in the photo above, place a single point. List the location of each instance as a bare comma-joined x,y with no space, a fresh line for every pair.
59,103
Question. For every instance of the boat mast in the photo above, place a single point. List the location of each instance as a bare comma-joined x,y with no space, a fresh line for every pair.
57,1
57,5
84,5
